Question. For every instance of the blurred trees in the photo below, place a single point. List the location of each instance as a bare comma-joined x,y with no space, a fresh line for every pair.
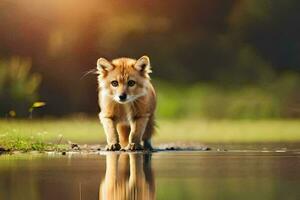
18,87
227,45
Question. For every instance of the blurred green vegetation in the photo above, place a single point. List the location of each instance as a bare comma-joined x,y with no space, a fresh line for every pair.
210,59
18,86
280,99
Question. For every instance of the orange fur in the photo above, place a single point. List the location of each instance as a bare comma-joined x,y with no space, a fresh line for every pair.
127,102
128,176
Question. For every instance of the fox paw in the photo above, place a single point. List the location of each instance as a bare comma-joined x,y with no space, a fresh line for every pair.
113,147
133,147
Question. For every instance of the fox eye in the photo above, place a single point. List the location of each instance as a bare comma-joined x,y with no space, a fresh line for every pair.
114,83
131,83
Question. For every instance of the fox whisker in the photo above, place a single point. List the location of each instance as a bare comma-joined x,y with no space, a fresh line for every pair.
91,71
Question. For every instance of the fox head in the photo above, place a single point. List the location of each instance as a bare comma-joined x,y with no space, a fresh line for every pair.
124,79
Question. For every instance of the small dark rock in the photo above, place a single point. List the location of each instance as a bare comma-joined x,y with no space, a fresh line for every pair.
2,150
64,153
99,149
170,148
75,146
206,149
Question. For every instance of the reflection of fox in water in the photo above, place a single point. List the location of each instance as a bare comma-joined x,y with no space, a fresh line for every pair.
128,176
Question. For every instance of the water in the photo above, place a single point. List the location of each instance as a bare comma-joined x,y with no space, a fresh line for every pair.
163,175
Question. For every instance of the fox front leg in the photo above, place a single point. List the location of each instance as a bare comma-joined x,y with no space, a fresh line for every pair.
111,133
137,129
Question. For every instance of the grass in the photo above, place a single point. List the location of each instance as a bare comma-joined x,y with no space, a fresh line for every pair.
24,143
40,135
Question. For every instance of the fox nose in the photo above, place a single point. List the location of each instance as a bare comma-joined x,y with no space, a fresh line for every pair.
123,97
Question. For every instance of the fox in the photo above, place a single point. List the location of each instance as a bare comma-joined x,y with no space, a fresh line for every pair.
127,102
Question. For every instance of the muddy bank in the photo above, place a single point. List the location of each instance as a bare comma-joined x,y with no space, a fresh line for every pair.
170,147
161,147
84,148
76,148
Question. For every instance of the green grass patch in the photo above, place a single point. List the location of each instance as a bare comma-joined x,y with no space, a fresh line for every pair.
41,135
25,143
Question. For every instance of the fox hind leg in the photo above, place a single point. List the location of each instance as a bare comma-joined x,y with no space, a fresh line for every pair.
149,131
147,145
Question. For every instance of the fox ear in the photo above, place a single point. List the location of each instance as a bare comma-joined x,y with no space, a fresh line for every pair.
143,65
103,66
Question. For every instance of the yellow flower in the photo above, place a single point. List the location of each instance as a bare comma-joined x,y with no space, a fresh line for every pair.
38,104
12,113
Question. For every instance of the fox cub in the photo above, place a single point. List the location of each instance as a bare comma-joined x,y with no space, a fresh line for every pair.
127,103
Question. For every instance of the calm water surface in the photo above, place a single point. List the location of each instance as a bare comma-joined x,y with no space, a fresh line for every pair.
163,175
